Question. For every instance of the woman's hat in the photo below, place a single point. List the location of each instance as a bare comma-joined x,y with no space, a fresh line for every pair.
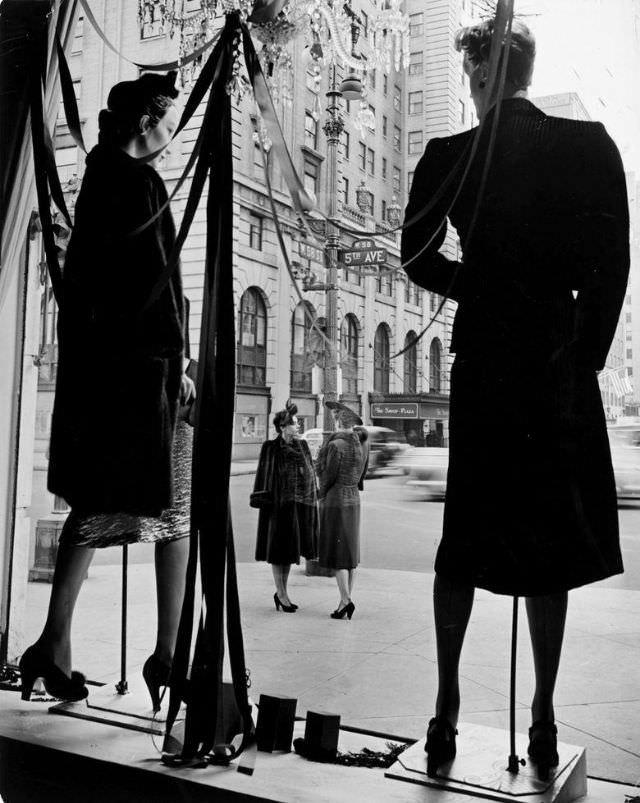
353,418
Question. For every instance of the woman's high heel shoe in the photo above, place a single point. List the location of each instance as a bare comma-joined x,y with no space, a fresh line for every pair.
155,674
440,746
543,747
36,664
347,611
285,608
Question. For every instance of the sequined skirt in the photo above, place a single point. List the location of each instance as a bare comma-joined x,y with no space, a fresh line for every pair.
116,529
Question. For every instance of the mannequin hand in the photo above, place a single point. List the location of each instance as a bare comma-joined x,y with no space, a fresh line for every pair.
187,390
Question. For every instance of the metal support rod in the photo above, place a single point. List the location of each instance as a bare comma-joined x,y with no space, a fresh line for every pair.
514,761
122,687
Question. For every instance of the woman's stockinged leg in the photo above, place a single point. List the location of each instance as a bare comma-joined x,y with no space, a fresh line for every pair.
547,615
452,604
278,580
352,579
171,566
342,579
72,563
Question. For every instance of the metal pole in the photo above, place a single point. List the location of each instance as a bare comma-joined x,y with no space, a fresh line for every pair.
333,128
514,761
122,687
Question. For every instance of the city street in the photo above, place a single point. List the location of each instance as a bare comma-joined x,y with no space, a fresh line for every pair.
400,530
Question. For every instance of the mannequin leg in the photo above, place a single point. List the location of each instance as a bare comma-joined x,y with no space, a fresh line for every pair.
72,563
547,616
452,604
342,579
171,565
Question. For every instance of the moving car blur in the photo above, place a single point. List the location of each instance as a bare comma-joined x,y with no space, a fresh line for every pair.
624,439
426,469
385,445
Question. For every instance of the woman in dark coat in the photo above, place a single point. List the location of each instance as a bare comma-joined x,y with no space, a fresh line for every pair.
342,466
120,376
539,293
286,491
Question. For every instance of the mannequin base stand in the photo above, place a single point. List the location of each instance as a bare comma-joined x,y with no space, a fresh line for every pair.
480,769
131,711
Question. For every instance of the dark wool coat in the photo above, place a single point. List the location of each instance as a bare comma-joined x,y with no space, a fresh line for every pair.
119,365
288,528
531,502
344,461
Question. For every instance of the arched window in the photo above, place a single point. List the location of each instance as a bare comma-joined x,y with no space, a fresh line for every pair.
349,354
435,366
410,364
301,362
252,339
381,359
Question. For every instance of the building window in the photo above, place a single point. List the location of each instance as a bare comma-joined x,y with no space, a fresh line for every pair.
381,359
371,75
415,102
152,18
397,98
415,142
78,37
385,283
416,25
349,354
627,316
77,91
435,366
365,23
310,131
252,339
371,162
372,127
384,167
397,139
385,125
415,63
67,162
396,181
410,178
311,178
346,145
362,156
60,505
345,190
255,231
410,364
383,210
258,164
385,84
301,364
462,112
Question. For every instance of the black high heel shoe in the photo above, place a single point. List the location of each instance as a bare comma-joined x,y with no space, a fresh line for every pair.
347,611
440,746
543,747
36,664
285,608
155,674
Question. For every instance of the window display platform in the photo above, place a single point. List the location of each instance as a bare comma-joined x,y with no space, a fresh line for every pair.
54,758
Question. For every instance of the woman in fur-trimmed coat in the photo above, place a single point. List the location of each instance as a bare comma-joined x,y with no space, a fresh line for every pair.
343,465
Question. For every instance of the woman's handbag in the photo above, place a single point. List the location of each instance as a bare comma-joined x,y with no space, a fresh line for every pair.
261,499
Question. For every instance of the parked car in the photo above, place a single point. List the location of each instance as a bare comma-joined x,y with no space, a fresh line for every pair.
624,440
384,445
426,469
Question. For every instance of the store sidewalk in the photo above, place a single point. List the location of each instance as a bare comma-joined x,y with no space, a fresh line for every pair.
378,671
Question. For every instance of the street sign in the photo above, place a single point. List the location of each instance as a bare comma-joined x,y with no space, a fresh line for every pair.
308,251
362,253
394,410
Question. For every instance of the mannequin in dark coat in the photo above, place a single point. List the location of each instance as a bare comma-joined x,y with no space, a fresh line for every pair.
539,294
120,375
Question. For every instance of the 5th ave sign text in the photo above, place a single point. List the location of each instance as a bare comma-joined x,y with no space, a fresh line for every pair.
364,252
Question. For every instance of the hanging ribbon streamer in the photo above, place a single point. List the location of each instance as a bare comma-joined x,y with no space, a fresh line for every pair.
211,529
164,66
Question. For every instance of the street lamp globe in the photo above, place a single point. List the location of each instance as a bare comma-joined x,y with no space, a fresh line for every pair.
351,87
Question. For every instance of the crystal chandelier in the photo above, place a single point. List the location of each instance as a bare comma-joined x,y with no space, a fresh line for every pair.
331,30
